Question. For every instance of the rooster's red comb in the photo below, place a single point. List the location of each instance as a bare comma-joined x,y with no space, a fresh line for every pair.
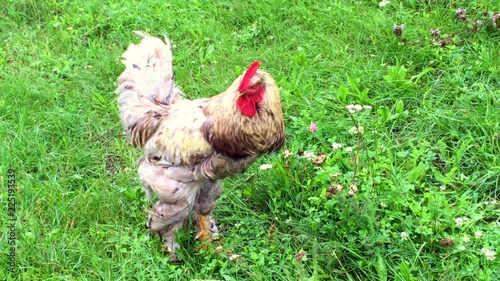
249,74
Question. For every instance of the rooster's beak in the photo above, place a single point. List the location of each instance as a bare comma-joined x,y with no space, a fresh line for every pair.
163,163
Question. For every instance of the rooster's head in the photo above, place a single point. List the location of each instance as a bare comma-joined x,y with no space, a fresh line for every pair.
251,91
247,118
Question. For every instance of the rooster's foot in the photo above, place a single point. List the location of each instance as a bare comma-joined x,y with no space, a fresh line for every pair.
170,246
203,229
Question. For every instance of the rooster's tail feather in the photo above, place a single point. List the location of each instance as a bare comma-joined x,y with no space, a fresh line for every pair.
146,87
149,68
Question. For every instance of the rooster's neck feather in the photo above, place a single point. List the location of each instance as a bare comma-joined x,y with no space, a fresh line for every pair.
233,134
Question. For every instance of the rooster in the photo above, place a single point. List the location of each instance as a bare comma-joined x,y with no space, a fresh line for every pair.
190,145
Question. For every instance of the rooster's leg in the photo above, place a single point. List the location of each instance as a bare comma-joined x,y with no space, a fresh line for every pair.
203,228
203,207
170,245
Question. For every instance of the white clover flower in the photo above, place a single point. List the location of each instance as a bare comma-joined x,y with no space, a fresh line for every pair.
301,255
404,236
383,205
350,108
492,202
337,188
367,107
309,155
357,130
495,20
352,190
466,238
335,175
218,249
287,153
461,248
490,254
361,130
442,188
478,234
348,149
383,3
336,145
266,166
460,221
234,257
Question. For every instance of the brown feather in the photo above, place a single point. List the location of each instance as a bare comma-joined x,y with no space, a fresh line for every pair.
238,136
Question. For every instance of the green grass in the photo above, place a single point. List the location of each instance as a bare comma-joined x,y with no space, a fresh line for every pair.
429,153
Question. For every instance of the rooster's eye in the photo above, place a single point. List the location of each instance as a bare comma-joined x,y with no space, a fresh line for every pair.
155,158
